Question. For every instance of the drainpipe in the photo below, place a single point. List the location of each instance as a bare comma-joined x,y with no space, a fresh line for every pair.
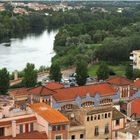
13,128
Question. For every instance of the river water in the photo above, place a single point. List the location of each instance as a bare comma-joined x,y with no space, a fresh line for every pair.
33,48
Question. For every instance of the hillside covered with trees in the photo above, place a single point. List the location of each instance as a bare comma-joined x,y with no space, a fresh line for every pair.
98,35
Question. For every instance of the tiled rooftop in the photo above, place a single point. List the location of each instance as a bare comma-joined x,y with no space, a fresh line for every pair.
118,80
30,135
117,114
72,92
4,122
51,115
41,90
18,91
135,106
99,110
54,85
137,83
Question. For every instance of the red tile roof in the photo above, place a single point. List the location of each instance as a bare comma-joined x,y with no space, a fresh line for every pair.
54,85
135,106
72,92
19,120
18,91
118,80
136,83
41,90
51,115
30,135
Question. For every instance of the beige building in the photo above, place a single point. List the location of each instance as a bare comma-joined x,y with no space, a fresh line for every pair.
135,57
95,123
38,121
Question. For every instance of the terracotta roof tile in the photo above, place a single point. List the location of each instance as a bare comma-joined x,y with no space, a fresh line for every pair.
135,106
22,120
72,92
118,80
54,85
30,135
41,90
51,115
136,83
18,91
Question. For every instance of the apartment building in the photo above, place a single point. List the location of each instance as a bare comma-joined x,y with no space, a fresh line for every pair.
38,120
95,123
135,57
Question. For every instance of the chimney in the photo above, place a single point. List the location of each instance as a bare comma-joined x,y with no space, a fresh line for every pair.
15,75
14,128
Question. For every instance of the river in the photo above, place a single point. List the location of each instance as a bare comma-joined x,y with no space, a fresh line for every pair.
33,48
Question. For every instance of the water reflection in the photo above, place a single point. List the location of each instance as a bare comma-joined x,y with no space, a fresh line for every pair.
35,48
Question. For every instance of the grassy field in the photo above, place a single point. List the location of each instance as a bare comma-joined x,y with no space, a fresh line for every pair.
118,69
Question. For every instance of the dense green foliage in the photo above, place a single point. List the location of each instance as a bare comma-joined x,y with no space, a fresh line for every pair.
81,73
129,71
103,71
55,72
29,76
4,81
18,25
104,36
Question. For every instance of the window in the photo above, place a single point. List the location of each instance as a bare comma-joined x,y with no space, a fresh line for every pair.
63,127
58,137
2,131
95,117
91,118
117,122
105,115
98,117
21,128
73,137
96,133
31,127
81,136
109,115
87,118
58,127
106,129
54,128
102,116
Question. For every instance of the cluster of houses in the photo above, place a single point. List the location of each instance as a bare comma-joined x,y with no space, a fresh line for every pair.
104,110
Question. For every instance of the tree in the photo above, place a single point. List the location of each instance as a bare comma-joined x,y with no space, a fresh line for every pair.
136,73
81,72
29,76
129,72
4,81
55,72
103,71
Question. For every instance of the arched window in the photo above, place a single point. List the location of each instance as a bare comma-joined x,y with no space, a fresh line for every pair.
109,115
95,117
98,117
105,115
91,118
87,118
